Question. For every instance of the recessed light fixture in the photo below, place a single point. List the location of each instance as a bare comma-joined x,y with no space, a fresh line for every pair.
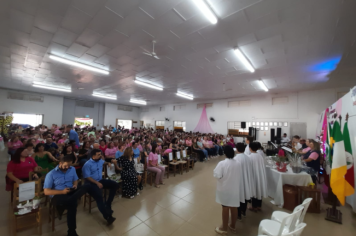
205,9
184,95
244,60
148,85
262,85
40,85
142,102
77,64
104,96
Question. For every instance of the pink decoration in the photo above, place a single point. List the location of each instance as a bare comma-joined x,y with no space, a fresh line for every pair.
203,125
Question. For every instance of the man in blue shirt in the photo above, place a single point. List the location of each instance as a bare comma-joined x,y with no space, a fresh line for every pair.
72,134
50,144
61,184
92,173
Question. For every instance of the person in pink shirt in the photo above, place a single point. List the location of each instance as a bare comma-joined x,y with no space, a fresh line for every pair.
110,151
305,150
103,145
14,144
188,142
153,166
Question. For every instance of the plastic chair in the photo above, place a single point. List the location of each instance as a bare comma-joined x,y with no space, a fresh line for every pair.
288,224
280,215
297,232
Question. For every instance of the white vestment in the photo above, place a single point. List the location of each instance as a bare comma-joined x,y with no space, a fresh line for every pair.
247,150
245,184
259,179
229,176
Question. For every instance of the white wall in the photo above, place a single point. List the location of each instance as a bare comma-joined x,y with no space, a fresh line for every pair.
302,107
70,111
112,113
51,107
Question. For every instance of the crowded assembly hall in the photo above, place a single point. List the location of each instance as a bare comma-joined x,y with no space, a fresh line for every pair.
177,117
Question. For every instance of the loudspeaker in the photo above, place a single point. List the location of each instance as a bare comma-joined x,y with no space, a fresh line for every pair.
272,136
279,135
243,125
254,134
250,131
212,119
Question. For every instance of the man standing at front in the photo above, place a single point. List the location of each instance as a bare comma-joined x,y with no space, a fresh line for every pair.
72,134
61,184
92,173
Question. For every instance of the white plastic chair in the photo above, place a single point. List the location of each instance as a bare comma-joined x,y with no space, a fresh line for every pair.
280,215
297,232
275,228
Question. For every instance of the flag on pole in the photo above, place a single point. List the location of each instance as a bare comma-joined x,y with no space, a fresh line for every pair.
340,187
350,176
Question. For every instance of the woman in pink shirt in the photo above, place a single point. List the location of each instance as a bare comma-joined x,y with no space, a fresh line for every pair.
110,151
153,166
14,144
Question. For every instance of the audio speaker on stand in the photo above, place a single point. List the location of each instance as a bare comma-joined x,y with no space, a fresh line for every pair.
250,131
279,135
272,135
243,125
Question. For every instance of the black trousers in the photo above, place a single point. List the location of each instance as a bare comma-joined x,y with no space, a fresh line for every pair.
97,194
70,201
200,154
242,209
256,202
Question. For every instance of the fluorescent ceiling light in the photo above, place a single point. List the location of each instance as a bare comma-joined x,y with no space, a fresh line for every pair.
142,102
205,9
262,85
39,85
104,96
77,64
244,60
184,95
148,85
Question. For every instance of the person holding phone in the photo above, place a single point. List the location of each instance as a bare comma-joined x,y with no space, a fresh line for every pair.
61,184
92,173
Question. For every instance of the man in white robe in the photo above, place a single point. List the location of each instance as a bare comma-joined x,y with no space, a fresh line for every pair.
259,179
245,190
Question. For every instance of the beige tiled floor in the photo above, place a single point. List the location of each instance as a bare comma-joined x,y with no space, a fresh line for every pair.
184,206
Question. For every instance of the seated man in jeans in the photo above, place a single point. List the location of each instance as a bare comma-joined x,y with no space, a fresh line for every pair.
61,184
92,173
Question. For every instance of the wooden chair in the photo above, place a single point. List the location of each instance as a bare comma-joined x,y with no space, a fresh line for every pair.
36,213
183,165
52,214
44,172
190,163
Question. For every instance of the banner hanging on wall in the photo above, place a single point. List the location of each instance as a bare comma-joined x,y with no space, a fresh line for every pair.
82,122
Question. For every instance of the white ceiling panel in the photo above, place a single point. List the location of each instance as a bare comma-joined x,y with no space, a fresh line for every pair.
229,7
105,21
64,37
47,20
77,50
286,41
89,38
90,7
21,21
75,20
123,8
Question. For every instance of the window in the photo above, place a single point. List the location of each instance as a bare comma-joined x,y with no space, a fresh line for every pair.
279,100
179,124
245,103
162,108
159,122
178,107
27,119
201,105
126,123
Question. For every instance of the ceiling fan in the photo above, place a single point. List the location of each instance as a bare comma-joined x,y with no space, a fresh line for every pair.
152,54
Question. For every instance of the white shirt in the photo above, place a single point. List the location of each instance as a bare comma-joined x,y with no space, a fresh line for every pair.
285,140
297,146
259,179
247,150
229,176
246,166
